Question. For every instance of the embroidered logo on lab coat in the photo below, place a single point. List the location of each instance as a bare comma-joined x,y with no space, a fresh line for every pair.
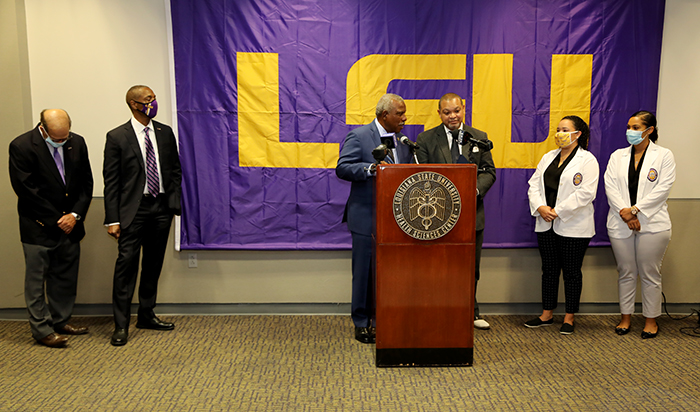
578,178
653,175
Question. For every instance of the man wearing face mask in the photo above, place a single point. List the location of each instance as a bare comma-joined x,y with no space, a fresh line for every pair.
50,173
142,192
445,144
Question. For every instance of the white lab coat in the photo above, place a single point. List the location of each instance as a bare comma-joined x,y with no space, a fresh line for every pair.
655,180
577,190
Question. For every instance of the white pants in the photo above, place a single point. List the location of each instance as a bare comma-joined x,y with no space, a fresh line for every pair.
641,253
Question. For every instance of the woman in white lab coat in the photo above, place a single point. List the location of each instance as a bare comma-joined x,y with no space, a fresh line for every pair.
638,181
561,195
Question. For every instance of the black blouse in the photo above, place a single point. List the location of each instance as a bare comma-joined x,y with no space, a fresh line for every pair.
552,176
633,176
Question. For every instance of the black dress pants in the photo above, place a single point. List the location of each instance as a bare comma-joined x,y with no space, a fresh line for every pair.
561,254
149,233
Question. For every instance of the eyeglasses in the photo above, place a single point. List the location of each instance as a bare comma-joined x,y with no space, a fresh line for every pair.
56,140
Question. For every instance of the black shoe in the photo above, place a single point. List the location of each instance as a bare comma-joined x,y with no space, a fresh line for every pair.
566,329
537,322
650,335
119,337
364,335
154,323
622,331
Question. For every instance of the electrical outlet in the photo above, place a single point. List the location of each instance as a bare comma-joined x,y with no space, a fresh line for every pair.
192,260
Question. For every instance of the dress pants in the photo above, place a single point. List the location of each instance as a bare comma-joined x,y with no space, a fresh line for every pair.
640,254
57,268
362,306
148,231
561,254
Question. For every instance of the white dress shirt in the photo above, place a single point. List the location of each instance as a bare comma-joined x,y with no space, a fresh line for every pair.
141,137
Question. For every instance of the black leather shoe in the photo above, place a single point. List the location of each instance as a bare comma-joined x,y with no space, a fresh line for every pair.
119,337
154,323
650,335
364,335
622,331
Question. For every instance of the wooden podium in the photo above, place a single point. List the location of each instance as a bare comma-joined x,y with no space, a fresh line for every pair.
425,264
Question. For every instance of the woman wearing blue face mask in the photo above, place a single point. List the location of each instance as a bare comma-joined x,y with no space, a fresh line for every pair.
638,181
561,195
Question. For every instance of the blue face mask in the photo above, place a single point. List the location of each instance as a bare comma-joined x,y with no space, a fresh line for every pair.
54,144
50,141
634,137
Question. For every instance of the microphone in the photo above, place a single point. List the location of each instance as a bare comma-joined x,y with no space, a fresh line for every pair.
380,152
408,142
486,145
388,141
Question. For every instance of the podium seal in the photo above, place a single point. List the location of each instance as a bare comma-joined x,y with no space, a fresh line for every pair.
427,206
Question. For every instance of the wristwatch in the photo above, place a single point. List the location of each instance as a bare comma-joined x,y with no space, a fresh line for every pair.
634,210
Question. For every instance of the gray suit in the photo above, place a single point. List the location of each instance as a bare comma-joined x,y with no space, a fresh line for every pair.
434,148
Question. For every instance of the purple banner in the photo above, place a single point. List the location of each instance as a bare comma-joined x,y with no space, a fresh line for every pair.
266,92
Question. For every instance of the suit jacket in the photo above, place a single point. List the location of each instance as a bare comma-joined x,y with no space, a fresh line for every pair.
124,172
578,186
355,157
434,148
42,197
656,176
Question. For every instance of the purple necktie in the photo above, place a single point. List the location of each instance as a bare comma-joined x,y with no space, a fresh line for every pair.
59,163
151,167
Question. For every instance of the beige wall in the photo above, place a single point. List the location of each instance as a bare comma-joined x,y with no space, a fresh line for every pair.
15,118
509,275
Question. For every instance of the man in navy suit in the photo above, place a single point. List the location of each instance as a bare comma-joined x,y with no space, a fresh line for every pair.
50,172
142,191
357,165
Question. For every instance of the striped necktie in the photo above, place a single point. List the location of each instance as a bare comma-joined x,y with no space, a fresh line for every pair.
151,167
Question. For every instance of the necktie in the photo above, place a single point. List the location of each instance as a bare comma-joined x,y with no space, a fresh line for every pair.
151,167
455,145
59,163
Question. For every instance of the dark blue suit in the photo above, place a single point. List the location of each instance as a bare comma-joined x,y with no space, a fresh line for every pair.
355,158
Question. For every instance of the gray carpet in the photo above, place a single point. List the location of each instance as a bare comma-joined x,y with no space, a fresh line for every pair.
311,363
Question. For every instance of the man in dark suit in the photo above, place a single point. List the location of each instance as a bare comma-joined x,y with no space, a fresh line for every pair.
142,191
50,172
357,165
441,145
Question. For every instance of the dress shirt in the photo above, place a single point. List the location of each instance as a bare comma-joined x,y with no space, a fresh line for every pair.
141,137
448,132
384,133
60,153
633,175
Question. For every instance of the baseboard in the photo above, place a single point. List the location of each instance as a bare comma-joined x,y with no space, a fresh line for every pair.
332,309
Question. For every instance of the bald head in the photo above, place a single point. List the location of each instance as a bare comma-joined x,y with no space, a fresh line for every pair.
56,123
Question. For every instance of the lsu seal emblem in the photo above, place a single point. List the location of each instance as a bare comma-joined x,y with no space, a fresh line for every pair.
653,174
427,205
578,178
